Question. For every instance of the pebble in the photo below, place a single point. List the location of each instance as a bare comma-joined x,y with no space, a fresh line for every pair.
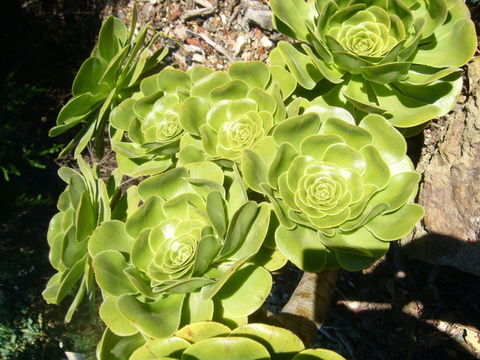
265,42
198,58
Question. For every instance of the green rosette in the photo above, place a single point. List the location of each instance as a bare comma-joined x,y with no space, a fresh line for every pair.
83,205
213,340
185,255
145,129
113,72
231,111
396,58
341,191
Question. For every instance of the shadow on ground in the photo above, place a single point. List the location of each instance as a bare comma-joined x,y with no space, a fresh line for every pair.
404,309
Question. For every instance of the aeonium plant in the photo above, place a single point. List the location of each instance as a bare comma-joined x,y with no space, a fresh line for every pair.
206,115
145,129
228,112
181,258
210,340
83,205
119,61
340,191
398,58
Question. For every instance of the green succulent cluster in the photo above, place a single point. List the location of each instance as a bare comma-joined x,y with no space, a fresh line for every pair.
398,58
146,129
198,115
112,73
229,112
83,205
224,176
207,340
341,191
185,255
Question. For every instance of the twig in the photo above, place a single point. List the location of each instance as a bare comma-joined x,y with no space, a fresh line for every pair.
234,15
214,45
231,4
207,9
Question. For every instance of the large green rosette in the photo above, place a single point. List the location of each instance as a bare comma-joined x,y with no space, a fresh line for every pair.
145,129
340,191
212,340
231,111
399,58
185,255
119,61
84,204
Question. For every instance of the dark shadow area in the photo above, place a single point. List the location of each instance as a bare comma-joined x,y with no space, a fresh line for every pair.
404,309
446,250
415,146
43,44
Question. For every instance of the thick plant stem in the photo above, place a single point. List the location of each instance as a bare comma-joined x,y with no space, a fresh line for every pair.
306,309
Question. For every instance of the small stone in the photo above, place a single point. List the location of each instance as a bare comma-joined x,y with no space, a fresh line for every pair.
175,14
199,58
262,18
239,45
193,49
180,33
265,42
193,41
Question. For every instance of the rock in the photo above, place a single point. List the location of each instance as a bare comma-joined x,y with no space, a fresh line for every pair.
262,18
258,14
449,233
199,58
239,45
265,42
180,32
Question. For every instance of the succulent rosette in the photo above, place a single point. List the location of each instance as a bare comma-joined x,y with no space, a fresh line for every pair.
83,205
212,340
119,61
185,255
229,112
146,130
398,58
340,191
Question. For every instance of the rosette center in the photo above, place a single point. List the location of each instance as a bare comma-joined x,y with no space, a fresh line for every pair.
241,132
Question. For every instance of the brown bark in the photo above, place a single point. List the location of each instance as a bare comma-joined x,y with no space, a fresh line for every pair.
306,309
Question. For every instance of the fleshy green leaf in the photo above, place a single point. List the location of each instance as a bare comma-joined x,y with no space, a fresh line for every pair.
112,36
236,348
295,129
111,235
318,354
196,332
254,73
217,212
160,349
281,343
239,228
303,247
398,224
158,319
114,319
109,266
113,347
